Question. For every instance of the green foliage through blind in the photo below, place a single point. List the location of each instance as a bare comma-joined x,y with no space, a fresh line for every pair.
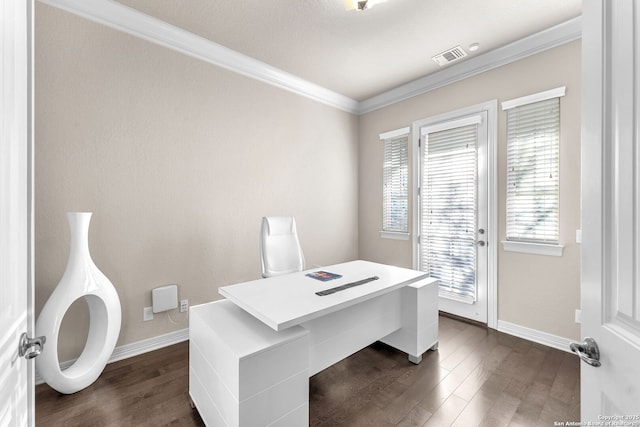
395,199
533,145
449,210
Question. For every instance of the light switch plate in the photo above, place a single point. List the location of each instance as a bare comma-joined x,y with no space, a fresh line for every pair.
147,314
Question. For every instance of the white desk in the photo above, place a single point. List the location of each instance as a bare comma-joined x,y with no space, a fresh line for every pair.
251,355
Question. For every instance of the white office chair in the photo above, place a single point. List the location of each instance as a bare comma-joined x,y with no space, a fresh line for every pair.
280,250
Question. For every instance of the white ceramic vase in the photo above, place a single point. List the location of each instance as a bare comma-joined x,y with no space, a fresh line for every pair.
81,279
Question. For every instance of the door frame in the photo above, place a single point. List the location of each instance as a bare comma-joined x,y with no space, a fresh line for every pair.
491,108
26,171
31,274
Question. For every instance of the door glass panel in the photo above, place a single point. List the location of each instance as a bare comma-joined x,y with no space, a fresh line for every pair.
449,210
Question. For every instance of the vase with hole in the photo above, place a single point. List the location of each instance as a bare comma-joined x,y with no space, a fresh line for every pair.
81,279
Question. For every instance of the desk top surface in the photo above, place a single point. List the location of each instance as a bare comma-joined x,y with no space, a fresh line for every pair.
284,301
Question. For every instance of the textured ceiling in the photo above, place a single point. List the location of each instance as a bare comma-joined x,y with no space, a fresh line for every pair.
358,54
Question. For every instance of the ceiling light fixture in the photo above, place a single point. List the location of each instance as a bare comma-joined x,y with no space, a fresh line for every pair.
361,4
473,47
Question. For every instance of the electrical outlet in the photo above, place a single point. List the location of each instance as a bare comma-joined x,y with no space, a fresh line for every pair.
147,314
184,305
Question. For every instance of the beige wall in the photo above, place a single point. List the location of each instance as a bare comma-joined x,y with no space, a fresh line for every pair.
534,291
178,160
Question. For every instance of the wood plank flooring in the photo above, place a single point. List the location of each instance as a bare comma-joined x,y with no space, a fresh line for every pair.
478,377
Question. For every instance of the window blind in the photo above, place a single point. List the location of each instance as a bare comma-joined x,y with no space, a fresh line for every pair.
395,199
533,184
449,210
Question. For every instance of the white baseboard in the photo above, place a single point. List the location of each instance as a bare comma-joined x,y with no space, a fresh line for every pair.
155,343
534,335
135,348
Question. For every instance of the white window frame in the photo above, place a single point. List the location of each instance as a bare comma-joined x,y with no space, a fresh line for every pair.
533,247
389,138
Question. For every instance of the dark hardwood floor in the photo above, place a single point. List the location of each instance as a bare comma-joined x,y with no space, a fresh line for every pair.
478,377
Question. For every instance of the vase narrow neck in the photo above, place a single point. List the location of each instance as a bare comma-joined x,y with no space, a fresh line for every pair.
79,233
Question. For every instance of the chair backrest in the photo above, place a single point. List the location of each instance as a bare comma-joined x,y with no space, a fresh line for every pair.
280,250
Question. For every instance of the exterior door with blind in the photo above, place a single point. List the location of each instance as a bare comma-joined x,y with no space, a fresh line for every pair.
452,210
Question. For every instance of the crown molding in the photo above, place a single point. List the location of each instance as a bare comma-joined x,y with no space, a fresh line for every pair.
547,39
131,21
138,24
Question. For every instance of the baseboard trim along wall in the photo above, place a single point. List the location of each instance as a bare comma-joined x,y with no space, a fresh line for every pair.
136,348
534,335
155,343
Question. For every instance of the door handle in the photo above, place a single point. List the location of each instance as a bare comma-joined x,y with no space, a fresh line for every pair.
587,351
30,347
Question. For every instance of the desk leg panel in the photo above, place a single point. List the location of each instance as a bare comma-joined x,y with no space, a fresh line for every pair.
297,417
419,330
283,401
219,407
242,373
335,337
203,402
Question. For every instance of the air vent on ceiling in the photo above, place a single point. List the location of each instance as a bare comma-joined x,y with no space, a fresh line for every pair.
449,56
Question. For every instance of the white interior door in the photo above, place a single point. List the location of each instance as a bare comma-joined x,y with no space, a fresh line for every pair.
611,211
16,373
453,220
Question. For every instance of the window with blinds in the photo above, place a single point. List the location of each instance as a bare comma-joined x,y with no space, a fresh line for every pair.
395,176
533,166
449,209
